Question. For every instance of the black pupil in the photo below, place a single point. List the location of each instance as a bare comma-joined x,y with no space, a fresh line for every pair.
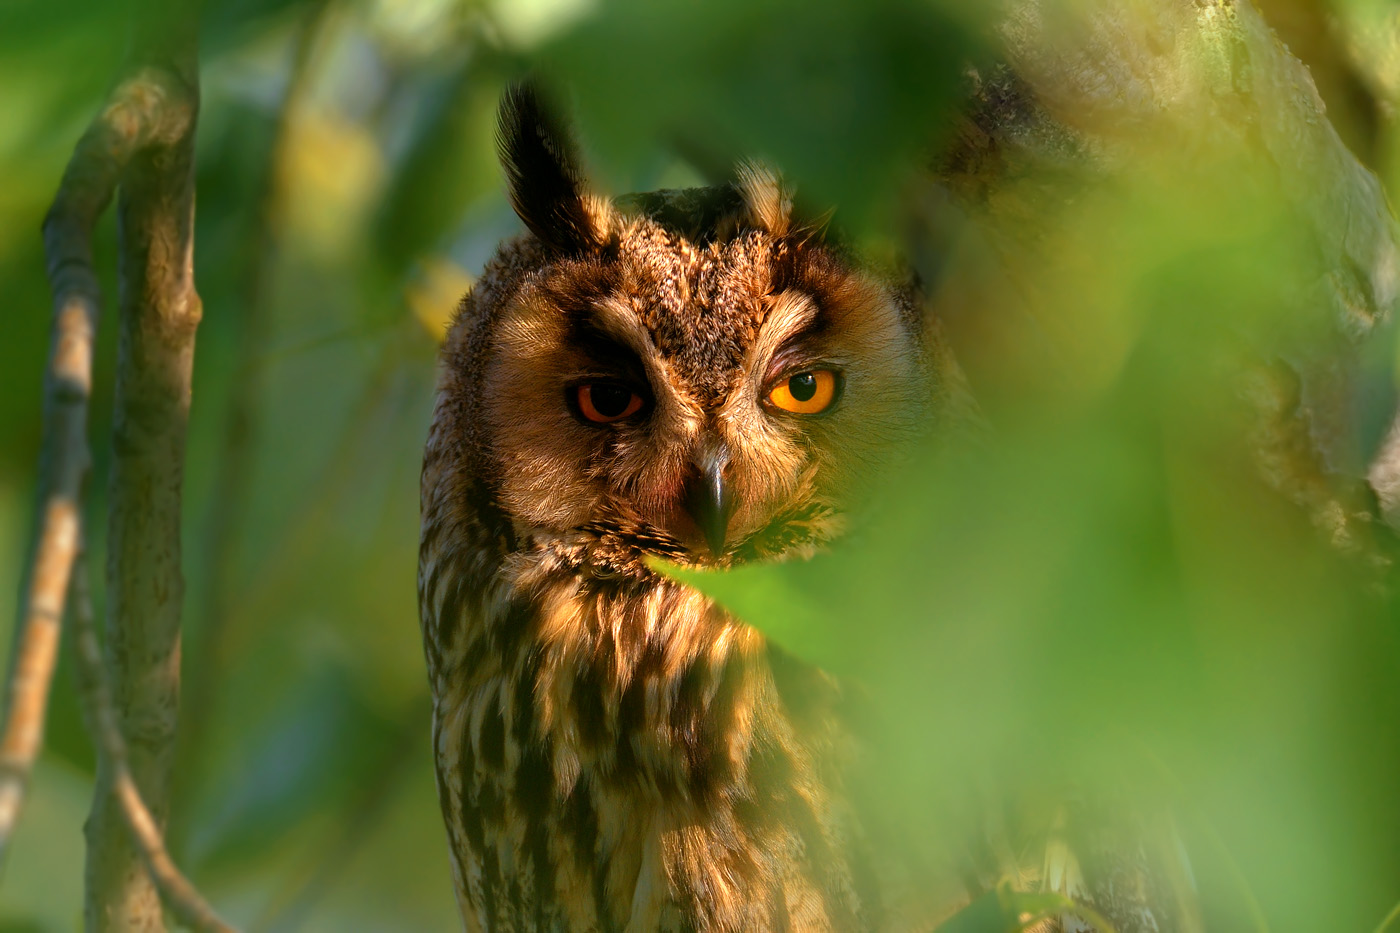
609,400
803,386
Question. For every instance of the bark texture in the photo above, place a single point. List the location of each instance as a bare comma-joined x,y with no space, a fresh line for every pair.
184,900
131,121
159,311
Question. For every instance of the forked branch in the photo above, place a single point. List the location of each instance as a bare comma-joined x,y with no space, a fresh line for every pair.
142,145
130,120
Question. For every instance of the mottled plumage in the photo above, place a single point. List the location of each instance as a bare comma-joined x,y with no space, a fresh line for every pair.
615,752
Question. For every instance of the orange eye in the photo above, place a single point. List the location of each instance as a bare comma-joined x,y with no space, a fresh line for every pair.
606,402
807,393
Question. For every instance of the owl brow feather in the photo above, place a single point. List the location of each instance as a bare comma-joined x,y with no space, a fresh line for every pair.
790,314
613,319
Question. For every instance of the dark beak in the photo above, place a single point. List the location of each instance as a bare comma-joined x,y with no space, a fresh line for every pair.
710,503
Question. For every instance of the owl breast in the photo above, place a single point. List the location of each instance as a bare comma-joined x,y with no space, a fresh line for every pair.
618,754
688,376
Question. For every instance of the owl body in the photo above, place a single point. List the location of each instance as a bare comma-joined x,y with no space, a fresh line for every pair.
687,376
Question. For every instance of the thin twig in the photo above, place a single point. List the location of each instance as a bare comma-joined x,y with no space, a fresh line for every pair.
125,125
178,893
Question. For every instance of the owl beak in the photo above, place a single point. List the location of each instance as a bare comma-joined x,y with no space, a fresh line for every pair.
710,502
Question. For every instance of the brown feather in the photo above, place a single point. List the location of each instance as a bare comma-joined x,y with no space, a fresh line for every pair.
615,752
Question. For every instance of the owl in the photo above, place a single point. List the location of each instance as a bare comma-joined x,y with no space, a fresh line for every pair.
693,376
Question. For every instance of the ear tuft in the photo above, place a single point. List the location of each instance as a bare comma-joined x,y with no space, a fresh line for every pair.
768,203
542,171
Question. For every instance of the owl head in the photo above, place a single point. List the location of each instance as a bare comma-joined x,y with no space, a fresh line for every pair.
690,374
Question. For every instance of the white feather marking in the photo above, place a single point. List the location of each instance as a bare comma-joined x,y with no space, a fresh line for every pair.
769,204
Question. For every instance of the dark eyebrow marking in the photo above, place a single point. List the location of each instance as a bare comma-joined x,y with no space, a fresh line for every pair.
586,335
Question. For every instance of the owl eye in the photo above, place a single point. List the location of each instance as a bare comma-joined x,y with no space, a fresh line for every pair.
606,402
805,393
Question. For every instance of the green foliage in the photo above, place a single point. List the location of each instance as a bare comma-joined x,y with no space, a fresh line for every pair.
1093,593
1003,910
844,96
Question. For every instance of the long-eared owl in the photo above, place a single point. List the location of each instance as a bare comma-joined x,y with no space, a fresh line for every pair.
691,375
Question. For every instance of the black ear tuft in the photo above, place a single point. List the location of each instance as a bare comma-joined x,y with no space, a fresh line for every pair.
542,170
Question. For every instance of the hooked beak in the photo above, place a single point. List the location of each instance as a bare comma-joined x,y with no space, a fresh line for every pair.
710,502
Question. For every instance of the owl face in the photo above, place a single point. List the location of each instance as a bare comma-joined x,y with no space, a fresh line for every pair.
688,374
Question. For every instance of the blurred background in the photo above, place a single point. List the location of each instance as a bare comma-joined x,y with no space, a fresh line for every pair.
1109,570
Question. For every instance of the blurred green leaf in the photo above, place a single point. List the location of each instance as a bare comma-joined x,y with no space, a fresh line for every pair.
450,162
845,97
1101,574
1106,571
1003,910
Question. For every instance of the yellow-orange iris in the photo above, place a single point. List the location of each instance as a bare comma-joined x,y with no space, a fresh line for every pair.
604,403
805,393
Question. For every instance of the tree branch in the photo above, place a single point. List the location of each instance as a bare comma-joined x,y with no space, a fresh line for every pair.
159,313
129,122
141,143
188,905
